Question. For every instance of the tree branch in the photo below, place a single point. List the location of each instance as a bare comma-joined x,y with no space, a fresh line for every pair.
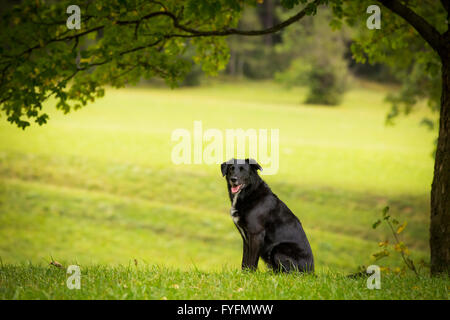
75,36
427,31
226,32
95,64
190,32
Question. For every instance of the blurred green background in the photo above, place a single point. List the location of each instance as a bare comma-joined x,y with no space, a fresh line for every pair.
98,186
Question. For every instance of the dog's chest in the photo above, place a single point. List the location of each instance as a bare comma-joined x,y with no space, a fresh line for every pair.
233,211
237,222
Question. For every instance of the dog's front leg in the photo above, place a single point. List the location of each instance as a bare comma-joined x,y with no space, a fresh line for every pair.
255,241
244,253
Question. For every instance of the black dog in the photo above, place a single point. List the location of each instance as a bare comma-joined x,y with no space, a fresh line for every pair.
268,228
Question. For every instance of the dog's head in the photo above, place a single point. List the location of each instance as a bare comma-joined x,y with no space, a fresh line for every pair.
240,173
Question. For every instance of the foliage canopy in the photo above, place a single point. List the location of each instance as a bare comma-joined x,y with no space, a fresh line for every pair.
122,41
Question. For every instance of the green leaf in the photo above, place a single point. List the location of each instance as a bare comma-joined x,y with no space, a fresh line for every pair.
401,228
376,224
380,255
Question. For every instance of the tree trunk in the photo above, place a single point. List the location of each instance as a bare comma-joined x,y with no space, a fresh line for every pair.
267,18
440,190
269,7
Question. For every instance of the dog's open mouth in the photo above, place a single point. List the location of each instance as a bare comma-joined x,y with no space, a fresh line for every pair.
236,188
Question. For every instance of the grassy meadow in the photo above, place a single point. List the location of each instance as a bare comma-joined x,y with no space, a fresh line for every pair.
98,188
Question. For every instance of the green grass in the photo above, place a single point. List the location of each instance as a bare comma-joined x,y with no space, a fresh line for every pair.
156,282
98,187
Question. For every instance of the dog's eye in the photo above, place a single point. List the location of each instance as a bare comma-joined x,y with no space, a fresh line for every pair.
241,168
232,168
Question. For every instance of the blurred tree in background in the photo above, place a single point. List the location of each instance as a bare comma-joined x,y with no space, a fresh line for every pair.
317,58
309,53
256,58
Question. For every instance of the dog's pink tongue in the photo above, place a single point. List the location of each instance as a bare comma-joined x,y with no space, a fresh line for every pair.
235,189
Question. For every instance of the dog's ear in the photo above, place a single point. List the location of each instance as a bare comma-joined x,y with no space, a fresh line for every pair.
253,164
224,167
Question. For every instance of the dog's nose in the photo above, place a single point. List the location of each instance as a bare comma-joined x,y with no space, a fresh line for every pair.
233,179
